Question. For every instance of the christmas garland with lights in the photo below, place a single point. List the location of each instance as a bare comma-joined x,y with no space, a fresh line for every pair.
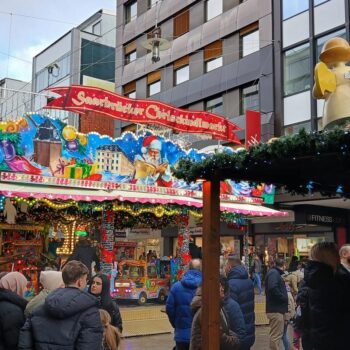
301,163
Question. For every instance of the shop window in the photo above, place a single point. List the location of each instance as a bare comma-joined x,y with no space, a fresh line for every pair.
153,83
181,70
250,98
130,11
181,23
319,44
129,89
249,39
215,105
296,64
213,8
294,129
213,56
294,7
96,28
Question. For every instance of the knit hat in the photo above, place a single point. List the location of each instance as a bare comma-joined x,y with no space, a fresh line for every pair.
151,142
51,280
15,282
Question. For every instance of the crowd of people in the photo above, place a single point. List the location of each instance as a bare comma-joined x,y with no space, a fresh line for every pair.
64,315
307,304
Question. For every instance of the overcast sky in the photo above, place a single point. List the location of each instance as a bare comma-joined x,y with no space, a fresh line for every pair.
22,36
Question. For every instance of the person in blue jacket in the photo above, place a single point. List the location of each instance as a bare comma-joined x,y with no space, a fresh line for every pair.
178,306
234,313
242,291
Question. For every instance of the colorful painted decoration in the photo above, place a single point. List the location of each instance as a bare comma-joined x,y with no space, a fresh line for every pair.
51,149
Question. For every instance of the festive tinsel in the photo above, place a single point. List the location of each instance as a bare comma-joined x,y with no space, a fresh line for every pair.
293,162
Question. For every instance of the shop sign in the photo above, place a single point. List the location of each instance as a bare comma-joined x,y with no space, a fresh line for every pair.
119,234
125,244
80,99
324,220
196,231
142,233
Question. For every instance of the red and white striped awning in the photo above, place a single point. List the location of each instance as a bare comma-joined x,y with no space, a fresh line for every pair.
88,195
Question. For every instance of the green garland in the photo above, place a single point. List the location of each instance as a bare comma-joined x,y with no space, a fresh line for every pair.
302,163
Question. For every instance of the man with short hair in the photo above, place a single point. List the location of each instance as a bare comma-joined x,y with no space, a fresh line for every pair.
69,319
276,303
178,306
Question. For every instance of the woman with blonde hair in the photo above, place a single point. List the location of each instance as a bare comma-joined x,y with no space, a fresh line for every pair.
321,294
111,335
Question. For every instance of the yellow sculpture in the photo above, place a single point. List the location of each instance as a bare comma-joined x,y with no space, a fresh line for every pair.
332,82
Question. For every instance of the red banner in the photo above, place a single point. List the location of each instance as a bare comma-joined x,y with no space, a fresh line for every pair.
253,128
80,99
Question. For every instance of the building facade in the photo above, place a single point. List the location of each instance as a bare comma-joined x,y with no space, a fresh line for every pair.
220,57
15,98
85,56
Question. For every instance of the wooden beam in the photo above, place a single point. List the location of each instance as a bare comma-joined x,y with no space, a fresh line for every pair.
211,265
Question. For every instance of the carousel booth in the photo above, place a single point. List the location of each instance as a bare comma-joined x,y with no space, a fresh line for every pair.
67,182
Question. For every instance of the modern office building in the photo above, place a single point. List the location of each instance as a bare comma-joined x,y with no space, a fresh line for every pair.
86,56
301,27
220,57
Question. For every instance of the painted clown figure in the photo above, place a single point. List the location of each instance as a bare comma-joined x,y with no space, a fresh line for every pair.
150,168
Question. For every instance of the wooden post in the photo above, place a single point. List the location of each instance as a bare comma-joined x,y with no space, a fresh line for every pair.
211,265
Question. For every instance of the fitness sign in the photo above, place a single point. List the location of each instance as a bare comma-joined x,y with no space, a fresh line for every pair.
81,99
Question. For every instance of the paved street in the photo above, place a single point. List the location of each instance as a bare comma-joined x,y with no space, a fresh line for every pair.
165,341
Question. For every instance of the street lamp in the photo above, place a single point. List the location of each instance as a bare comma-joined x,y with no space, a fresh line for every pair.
156,44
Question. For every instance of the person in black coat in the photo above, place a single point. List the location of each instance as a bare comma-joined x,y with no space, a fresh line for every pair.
276,303
322,291
69,319
242,291
85,253
100,288
12,305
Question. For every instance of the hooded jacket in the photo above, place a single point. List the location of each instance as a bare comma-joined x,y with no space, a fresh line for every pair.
178,304
242,291
228,339
105,302
69,319
11,318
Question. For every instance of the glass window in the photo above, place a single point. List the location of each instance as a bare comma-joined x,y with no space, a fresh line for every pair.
130,57
130,11
297,70
213,8
340,33
213,64
250,98
319,2
294,129
250,43
96,28
154,88
294,7
131,94
182,74
152,3
215,105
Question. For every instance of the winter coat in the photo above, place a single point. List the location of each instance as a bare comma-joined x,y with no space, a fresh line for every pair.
242,291
343,324
322,294
69,319
178,306
86,254
35,302
228,339
11,318
293,278
291,307
113,310
235,317
276,292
